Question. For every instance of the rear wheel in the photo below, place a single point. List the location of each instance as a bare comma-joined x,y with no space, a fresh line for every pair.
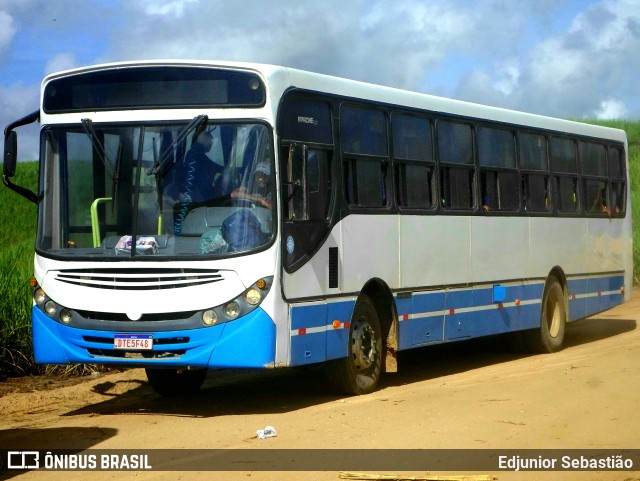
553,320
359,372
175,382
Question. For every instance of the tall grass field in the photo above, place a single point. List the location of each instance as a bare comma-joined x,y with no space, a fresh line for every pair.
17,233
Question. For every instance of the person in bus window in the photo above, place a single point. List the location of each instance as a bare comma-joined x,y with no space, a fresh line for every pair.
599,203
200,170
260,190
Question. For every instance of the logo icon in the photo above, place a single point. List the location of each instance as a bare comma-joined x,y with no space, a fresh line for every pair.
23,460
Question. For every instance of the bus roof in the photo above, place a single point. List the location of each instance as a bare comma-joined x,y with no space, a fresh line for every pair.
280,78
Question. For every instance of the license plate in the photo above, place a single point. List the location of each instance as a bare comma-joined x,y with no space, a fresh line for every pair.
133,342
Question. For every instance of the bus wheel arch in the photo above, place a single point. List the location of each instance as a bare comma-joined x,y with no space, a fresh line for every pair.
554,315
382,297
372,342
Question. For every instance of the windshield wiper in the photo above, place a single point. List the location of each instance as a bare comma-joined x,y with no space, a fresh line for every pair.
160,166
98,147
87,125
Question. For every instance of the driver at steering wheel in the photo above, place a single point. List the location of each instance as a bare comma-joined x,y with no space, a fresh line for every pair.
261,189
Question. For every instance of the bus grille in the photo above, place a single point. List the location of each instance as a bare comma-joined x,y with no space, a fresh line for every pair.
135,354
138,279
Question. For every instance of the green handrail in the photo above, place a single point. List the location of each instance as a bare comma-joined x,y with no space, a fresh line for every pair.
95,226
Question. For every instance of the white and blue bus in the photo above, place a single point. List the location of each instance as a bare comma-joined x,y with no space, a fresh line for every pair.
206,215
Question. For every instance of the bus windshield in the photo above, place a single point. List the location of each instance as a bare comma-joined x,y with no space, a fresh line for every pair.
170,190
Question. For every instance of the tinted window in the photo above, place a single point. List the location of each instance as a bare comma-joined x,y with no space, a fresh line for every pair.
414,163
411,138
568,194
455,143
533,152
593,159
596,195
496,148
364,132
616,164
364,142
563,155
535,191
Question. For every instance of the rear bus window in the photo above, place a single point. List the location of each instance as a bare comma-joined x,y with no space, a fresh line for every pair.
595,182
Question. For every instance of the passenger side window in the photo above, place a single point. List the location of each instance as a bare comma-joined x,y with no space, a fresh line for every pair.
565,170
498,174
534,165
617,175
595,182
457,170
366,156
414,162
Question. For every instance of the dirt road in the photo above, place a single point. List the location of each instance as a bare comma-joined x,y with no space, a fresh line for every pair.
467,395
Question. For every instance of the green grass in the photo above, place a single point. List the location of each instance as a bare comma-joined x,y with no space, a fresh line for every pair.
17,232
17,236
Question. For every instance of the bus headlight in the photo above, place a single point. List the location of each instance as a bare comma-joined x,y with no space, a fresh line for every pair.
50,308
65,316
39,296
209,317
253,297
232,310
242,305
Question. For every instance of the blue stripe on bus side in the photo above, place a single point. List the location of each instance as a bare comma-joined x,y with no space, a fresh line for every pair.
432,317
468,313
313,336
588,296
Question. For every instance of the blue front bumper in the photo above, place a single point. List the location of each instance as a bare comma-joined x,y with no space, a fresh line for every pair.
248,342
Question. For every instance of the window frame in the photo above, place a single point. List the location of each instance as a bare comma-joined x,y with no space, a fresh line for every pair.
527,172
590,177
351,161
401,163
500,172
559,176
447,168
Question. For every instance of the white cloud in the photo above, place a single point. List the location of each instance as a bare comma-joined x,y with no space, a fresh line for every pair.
611,109
61,61
507,77
7,29
166,7
575,72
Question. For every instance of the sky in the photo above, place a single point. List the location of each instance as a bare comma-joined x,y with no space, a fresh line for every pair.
563,58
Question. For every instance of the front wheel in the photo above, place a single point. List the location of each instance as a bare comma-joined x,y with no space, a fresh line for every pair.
553,319
175,382
359,372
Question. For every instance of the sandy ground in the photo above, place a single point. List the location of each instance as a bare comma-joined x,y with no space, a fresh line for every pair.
476,395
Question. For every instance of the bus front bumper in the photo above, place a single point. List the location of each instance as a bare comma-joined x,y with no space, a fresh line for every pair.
248,342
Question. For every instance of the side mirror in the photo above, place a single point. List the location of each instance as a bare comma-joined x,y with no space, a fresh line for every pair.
10,153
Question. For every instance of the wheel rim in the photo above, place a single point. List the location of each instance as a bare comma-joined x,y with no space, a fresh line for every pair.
364,349
554,315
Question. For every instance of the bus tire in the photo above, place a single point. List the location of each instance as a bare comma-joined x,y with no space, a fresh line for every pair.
359,372
553,320
175,382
